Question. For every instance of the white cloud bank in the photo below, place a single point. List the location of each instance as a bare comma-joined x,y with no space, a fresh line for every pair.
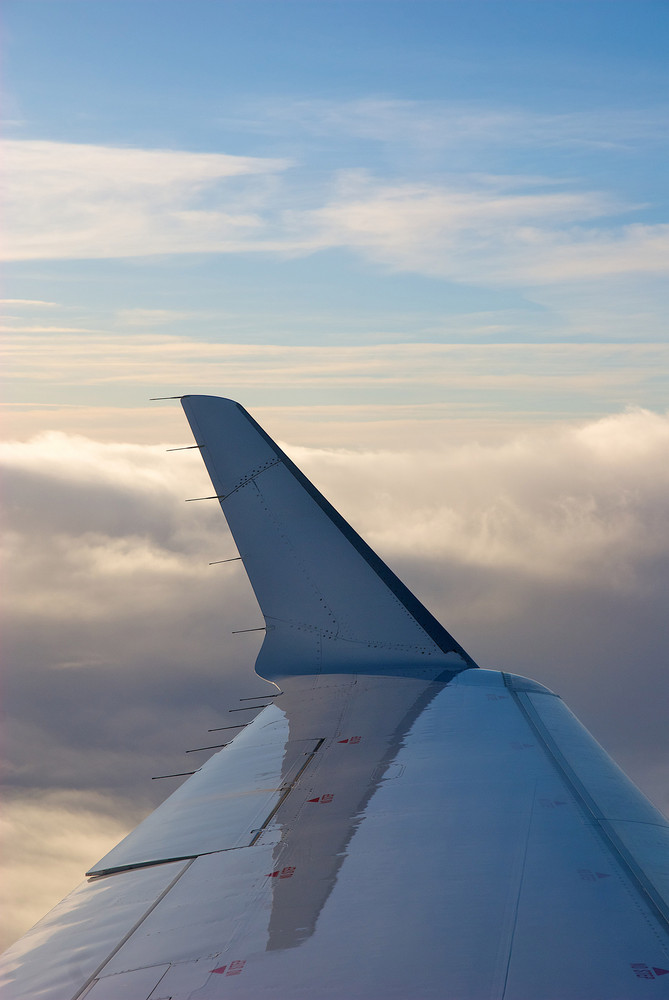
546,553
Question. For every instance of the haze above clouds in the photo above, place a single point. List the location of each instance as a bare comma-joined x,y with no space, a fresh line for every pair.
426,245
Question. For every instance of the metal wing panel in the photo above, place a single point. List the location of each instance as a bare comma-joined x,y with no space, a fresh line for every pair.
433,848
634,828
610,790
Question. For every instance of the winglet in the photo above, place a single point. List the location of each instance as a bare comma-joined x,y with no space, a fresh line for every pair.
331,605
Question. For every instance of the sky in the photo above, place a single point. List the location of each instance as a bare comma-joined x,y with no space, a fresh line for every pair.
426,244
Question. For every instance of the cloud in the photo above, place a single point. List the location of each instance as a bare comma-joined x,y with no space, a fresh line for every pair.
487,235
76,201
166,359
139,317
28,303
546,553
42,329
468,126
84,201
61,827
100,383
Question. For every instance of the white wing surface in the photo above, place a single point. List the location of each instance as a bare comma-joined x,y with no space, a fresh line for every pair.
397,824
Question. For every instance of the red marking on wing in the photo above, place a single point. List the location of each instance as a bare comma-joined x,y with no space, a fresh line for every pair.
641,970
232,969
286,872
660,972
589,876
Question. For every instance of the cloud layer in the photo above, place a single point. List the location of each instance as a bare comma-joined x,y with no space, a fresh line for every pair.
76,201
545,553
158,360
65,200
489,235
99,383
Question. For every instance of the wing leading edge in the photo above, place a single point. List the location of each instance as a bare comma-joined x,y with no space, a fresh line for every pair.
386,830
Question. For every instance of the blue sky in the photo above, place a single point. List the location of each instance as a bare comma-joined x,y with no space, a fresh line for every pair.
338,175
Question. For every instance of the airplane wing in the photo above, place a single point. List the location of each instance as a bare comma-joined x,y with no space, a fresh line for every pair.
395,824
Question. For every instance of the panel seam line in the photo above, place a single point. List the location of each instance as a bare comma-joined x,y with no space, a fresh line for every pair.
132,930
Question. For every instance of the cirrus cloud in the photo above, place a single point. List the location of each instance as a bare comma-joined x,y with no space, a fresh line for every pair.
488,234
76,201
66,200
